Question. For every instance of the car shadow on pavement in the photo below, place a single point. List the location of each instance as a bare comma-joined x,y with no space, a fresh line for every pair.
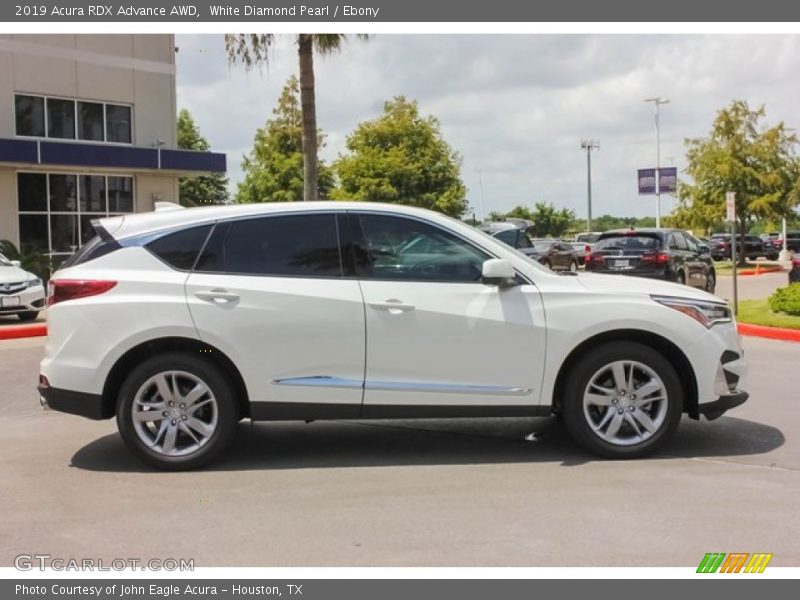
341,444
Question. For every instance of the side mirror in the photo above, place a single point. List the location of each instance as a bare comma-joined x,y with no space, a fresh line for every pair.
497,271
16,263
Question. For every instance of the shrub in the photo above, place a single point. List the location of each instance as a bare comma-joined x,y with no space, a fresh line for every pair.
32,259
786,300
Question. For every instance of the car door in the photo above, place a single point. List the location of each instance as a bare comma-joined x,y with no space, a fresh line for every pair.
439,341
696,264
270,293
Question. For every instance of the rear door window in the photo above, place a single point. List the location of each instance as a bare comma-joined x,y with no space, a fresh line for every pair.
284,245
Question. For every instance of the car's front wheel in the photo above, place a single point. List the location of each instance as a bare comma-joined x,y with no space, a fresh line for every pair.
177,411
711,282
622,400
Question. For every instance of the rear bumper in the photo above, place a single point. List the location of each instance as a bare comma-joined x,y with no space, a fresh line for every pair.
74,403
716,409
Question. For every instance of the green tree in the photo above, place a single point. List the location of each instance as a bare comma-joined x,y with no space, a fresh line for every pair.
205,189
273,171
401,157
549,221
253,49
739,155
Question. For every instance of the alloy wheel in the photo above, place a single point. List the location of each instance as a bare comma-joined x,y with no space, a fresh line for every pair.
174,413
625,403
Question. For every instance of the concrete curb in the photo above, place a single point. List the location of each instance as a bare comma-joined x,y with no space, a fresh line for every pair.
23,331
771,333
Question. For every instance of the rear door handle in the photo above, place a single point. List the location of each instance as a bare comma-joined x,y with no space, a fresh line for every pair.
218,296
392,305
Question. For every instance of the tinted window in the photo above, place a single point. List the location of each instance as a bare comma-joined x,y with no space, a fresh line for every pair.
60,118
32,191
90,121
509,237
292,245
180,249
691,243
118,123
676,241
29,115
628,242
387,252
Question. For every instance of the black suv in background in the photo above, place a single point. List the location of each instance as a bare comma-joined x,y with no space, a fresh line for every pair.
669,254
754,247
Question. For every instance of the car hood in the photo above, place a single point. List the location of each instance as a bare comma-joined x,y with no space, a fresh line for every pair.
14,275
625,284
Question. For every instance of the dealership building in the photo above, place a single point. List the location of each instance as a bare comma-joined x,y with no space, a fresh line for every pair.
87,129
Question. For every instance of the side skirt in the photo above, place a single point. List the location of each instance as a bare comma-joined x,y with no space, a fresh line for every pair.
306,411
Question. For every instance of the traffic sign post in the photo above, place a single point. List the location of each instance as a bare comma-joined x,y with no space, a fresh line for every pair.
730,214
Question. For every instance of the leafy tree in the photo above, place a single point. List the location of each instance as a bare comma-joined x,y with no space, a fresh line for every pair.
273,171
740,155
204,189
253,49
548,221
401,157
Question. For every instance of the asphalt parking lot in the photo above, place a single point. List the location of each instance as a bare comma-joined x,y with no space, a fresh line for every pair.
404,493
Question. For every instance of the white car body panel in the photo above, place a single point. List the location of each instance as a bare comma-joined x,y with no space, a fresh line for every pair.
281,328
15,293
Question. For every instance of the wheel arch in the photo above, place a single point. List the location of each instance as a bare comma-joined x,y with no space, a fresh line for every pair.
669,349
144,350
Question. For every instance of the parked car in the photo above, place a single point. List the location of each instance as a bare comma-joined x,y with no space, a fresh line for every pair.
668,254
553,254
588,237
583,244
794,273
21,292
753,247
557,255
793,241
182,323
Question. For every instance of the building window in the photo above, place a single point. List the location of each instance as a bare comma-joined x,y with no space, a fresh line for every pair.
30,115
56,209
90,121
66,119
118,123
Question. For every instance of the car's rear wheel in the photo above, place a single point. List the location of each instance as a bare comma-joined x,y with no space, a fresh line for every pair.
29,315
680,278
573,266
177,411
547,264
622,400
711,282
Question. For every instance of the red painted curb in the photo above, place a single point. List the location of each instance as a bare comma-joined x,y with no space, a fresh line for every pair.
772,333
23,331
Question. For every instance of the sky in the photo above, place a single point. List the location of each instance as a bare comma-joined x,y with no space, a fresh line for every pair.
515,107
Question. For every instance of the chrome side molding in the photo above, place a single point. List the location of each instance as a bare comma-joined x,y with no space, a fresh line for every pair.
404,386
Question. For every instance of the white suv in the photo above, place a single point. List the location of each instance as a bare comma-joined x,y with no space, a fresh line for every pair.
182,323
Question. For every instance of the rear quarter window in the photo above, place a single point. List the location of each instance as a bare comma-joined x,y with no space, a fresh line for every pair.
180,249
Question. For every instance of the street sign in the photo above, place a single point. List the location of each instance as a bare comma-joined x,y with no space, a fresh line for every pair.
730,207
667,181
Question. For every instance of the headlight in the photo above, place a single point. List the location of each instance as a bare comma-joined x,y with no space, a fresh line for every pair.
34,282
707,314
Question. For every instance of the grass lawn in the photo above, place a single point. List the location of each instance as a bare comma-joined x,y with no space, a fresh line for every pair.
758,312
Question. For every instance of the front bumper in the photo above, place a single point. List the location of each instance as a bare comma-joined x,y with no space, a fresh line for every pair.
27,300
714,410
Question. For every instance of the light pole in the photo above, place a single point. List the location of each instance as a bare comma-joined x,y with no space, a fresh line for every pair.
589,145
480,185
658,101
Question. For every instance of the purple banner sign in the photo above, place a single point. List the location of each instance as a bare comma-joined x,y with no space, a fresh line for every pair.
668,180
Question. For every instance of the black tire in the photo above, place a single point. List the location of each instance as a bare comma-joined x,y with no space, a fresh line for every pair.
547,264
573,266
226,410
29,315
595,360
680,277
772,257
711,282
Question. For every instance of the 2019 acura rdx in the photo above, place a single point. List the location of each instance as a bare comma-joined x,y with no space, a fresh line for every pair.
182,323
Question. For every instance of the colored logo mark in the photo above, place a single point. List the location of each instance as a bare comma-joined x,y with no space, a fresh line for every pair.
735,562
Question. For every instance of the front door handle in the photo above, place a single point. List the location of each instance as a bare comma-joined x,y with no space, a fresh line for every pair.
218,296
392,305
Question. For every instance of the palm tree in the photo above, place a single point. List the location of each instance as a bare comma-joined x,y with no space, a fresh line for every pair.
252,49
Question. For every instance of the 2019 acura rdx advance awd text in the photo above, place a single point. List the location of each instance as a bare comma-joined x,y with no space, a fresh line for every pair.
181,323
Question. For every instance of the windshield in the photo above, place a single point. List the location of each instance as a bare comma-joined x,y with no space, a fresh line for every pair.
587,238
640,243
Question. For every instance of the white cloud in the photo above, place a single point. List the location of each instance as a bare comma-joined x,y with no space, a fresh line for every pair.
516,106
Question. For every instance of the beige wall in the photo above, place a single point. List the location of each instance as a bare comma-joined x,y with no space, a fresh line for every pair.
129,69
8,205
146,186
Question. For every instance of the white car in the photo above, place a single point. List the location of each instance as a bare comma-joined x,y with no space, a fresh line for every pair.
182,323
21,292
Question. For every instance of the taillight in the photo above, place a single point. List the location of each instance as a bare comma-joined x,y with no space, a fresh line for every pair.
587,250
596,259
59,290
658,258
796,262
